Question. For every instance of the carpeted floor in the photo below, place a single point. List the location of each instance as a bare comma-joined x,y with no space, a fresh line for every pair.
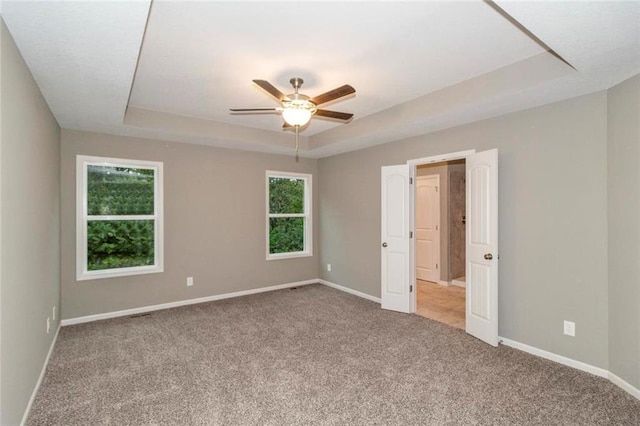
313,355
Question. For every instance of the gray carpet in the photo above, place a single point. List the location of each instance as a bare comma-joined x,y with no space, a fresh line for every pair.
313,355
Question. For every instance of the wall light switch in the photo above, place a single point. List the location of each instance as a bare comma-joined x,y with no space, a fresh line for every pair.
48,325
328,267
189,281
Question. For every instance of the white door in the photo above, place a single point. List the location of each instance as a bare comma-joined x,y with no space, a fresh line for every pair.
427,228
482,246
395,274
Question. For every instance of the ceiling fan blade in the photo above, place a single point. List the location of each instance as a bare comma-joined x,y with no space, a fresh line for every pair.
334,114
286,125
270,89
333,94
253,109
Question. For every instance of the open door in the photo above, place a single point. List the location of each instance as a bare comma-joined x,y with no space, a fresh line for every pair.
482,246
396,288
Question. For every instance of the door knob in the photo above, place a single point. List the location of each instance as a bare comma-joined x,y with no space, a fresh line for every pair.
488,256
384,244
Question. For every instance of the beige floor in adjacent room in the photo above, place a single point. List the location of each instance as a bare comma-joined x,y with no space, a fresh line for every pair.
441,303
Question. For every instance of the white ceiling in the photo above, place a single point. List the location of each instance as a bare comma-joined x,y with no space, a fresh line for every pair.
417,66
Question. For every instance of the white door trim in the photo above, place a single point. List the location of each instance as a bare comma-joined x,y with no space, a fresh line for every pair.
441,158
413,165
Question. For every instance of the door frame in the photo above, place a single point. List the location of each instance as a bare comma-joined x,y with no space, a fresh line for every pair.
437,254
413,165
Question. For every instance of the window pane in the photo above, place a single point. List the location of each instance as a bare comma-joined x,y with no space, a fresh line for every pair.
286,195
286,234
119,190
119,244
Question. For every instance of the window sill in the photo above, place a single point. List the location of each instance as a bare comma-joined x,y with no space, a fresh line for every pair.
279,256
114,273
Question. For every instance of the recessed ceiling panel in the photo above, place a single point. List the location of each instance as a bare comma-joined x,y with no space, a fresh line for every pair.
417,66
199,58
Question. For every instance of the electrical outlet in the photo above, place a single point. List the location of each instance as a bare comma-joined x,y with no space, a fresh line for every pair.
189,281
54,313
328,267
570,328
48,325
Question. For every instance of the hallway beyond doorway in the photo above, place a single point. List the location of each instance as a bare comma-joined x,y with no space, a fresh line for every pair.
445,304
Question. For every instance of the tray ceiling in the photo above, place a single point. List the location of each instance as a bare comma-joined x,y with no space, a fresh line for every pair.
170,70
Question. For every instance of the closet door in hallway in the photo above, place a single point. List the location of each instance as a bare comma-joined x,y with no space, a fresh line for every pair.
427,228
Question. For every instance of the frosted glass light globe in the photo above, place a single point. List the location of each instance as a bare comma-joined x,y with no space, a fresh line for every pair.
296,116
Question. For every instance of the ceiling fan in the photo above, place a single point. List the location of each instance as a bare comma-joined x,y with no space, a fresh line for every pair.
296,108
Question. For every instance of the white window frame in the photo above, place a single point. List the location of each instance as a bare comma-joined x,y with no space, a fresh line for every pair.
308,224
82,218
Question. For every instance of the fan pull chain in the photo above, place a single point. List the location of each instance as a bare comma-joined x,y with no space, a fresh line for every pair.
297,143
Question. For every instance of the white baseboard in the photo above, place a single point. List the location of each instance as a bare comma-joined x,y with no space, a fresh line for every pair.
150,308
27,410
444,283
633,391
350,291
459,283
597,371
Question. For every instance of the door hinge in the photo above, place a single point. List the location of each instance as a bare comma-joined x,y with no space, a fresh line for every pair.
410,289
436,227
411,181
436,189
410,234
436,266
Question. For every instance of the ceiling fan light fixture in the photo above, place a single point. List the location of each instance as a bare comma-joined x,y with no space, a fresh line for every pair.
296,114
296,108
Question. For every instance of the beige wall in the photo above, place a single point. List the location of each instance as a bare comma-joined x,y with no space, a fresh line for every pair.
214,224
553,219
30,170
624,229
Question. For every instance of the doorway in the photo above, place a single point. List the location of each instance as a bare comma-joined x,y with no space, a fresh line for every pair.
398,262
440,242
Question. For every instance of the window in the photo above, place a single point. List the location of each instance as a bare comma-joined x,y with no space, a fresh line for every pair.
289,227
118,217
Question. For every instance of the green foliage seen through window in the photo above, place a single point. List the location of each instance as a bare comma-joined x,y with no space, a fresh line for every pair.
119,244
286,196
117,191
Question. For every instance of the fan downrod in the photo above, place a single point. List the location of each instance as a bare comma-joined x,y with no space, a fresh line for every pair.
296,82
